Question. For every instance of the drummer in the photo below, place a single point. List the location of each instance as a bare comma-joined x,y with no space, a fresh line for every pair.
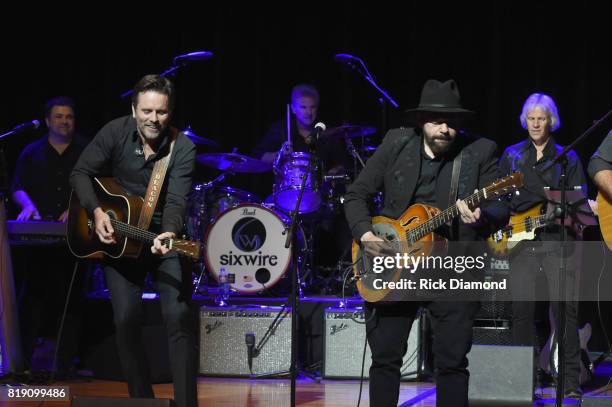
304,109
328,227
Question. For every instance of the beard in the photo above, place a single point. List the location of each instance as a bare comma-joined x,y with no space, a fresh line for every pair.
439,145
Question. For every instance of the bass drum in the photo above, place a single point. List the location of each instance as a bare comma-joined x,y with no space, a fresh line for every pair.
249,242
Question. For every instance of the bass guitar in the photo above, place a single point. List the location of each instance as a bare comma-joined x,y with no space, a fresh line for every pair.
522,226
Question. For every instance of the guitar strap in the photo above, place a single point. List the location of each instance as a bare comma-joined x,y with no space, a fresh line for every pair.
155,184
454,187
455,178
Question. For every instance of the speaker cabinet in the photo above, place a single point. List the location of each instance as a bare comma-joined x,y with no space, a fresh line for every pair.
501,376
345,334
597,401
223,332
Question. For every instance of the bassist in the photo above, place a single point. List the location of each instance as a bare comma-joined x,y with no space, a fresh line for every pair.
540,118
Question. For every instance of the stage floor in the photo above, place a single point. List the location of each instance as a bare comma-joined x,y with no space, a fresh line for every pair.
220,392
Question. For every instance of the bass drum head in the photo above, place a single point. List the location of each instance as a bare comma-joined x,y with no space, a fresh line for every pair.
249,242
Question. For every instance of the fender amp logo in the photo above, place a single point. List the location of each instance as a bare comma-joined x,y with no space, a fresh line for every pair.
211,327
334,329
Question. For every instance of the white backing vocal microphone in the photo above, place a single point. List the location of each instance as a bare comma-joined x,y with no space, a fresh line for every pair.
34,124
319,128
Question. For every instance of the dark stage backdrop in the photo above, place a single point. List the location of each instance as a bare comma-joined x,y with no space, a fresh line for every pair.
499,52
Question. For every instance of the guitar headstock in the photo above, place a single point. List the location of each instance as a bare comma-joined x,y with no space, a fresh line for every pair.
504,186
187,248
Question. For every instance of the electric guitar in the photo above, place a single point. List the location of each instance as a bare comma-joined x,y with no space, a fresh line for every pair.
604,211
522,226
414,229
124,212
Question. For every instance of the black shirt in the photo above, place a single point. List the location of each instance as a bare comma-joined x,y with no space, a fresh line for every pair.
425,192
117,151
43,174
522,157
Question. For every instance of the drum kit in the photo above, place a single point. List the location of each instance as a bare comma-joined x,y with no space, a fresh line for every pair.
245,235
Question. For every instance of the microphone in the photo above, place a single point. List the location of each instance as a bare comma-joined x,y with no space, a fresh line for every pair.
319,128
34,124
194,56
249,339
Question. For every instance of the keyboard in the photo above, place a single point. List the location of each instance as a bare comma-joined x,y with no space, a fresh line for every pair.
36,233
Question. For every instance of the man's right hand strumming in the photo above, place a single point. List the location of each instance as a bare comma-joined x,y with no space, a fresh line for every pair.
374,245
104,229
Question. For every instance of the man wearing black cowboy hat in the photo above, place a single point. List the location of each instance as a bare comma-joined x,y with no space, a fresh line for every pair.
415,165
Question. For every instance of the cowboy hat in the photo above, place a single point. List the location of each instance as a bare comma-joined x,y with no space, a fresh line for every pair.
440,97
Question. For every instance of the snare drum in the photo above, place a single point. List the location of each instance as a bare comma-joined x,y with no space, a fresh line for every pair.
249,242
205,203
289,180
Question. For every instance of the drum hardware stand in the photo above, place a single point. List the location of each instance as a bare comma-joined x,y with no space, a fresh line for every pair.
201,266
350,147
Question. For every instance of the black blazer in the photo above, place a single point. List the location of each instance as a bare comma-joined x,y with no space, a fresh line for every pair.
395,168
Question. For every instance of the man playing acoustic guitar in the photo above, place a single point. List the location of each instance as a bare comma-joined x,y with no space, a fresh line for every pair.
415,166
131,148
600,170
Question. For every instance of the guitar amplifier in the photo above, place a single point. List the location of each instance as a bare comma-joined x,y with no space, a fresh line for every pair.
223,349
344,340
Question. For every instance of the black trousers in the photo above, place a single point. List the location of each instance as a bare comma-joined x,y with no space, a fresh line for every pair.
125,279
387,332
532,261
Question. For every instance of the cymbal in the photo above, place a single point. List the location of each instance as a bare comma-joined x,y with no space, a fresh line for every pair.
233,162
198,140
349,130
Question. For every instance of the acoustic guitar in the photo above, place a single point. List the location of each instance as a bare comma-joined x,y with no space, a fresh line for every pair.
604,211
414,231
124,212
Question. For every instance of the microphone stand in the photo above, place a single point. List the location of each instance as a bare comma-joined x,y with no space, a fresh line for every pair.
8,133
560,320
384,98
294,303
168,72
177,63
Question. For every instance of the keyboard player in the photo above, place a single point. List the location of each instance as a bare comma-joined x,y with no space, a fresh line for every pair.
41,191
